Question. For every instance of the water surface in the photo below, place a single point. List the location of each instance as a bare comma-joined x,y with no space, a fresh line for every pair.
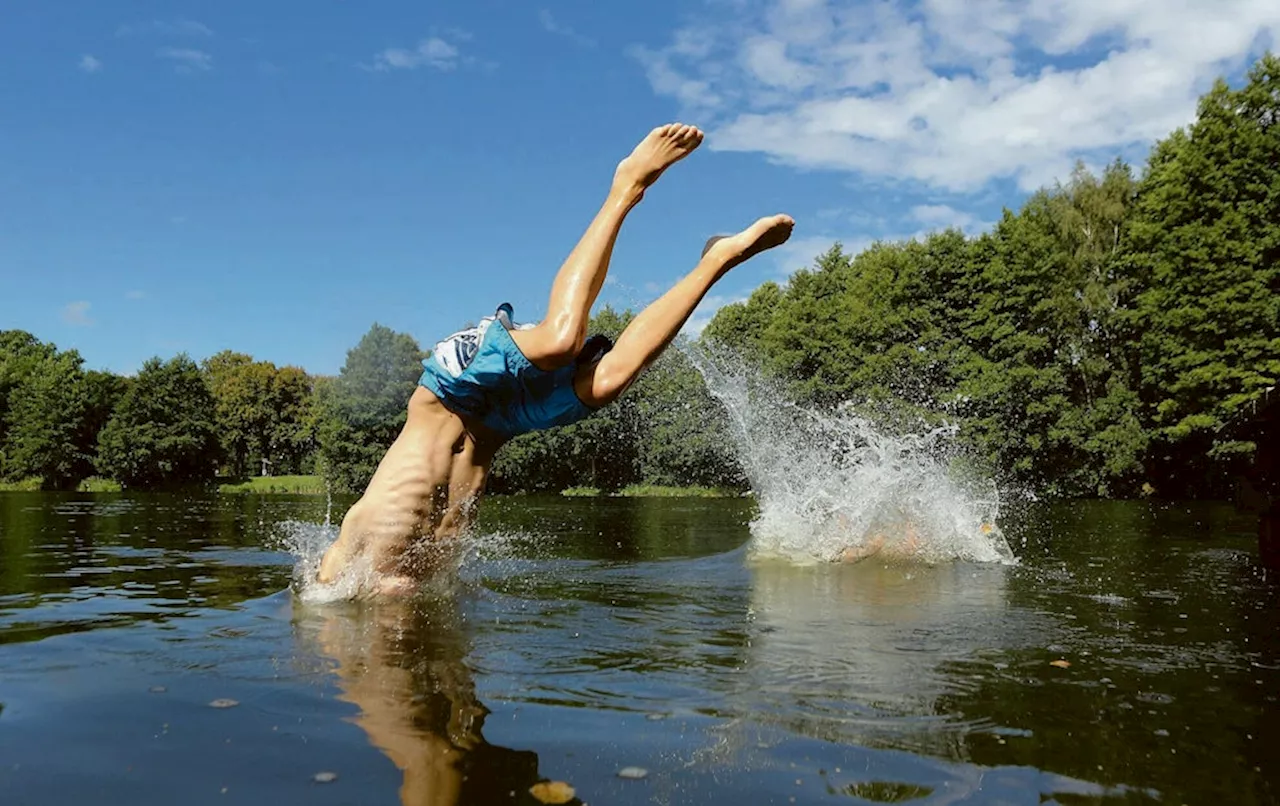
585,636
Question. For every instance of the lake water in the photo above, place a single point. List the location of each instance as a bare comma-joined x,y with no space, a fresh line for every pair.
585,636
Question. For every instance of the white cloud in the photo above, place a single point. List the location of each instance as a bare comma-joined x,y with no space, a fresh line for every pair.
89,63
706,311
77,313
165,28
454,34
799,253
187,60
944,216
802,253
953,94
550,25
432,52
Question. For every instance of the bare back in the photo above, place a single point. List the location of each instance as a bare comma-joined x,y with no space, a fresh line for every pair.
426,487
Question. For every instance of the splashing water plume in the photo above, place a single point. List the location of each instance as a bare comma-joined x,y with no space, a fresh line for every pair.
833,486
308,542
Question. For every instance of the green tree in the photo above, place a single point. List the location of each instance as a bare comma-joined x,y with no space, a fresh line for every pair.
163,432
240,406
1044,383
46,416
682,431
1101,441
261,411
1205,246
740,326
102,391
20,352
50,411
291,436
364,408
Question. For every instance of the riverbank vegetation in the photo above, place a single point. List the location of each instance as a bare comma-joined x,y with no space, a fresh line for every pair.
1106,337
653,491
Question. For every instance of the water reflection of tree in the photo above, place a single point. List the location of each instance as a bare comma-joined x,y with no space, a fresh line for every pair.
404,665
144,556
855,653
1171,637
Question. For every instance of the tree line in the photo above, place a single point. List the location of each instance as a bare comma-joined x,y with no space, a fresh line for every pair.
1105,339
176,423
173,423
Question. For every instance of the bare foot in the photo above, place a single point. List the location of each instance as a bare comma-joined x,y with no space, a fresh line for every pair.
766,233
662,148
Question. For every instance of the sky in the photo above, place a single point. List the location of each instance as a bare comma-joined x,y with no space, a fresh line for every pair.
273,178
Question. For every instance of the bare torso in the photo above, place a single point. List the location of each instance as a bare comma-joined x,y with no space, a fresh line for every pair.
425,489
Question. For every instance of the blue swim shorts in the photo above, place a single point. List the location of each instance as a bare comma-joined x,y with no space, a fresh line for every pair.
481,374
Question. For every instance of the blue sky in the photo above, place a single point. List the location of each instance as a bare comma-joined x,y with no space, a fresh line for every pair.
275,177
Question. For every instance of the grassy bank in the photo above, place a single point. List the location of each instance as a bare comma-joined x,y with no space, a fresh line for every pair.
266,485
94,484
23,486
314,485
35,484
653,491
263,485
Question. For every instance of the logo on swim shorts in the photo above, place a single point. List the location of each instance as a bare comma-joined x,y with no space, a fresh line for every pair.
457,351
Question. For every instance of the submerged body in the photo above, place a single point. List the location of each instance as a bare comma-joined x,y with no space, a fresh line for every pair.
502,380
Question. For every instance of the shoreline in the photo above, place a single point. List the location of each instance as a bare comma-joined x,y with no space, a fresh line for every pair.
314,485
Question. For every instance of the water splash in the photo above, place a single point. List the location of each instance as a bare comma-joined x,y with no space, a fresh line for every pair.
455,564
308,542
834,486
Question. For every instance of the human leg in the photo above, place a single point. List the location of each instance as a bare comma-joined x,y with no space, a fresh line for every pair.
556,340
653,329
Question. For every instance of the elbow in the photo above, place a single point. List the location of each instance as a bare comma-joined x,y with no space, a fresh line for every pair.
607,385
